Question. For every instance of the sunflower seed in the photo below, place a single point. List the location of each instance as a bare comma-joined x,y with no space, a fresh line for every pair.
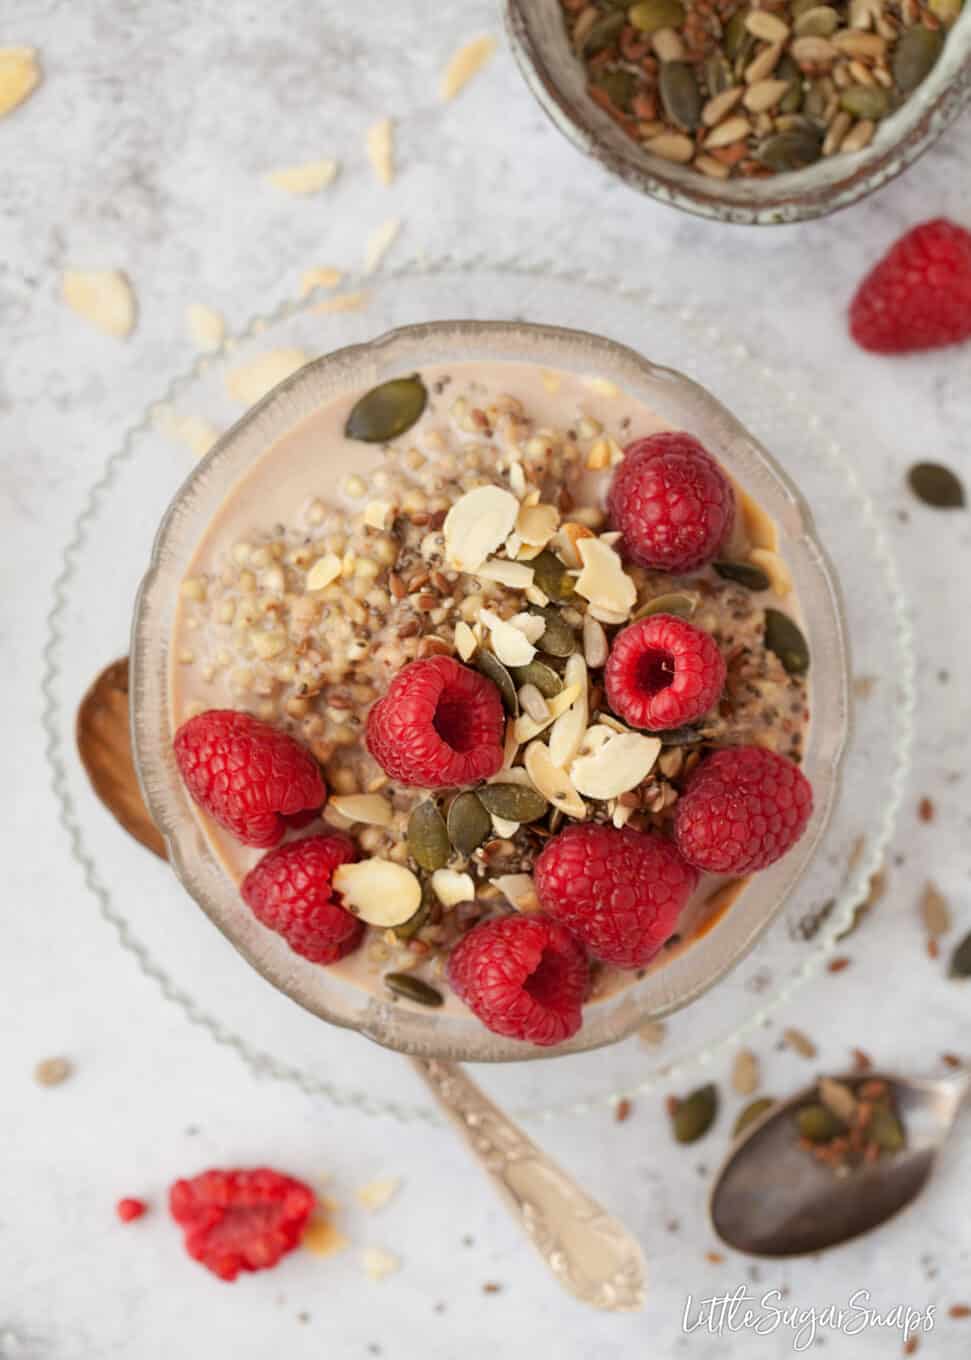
745,1072
539,674
935,912
799,1043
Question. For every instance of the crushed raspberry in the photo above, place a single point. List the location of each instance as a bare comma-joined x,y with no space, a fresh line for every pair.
919,295
524,976
742,809
129,1209
290,892
663,672
619,891
440,725
671,502
240,1220
250,778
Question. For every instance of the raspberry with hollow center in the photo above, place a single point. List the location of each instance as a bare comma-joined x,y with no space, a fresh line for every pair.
240,1220
671,502
524,976
619,891
440,725
742,809
290,892
663,672
919,295
251,778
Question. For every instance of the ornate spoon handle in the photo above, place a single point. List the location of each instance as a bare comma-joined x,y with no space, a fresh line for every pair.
592,1255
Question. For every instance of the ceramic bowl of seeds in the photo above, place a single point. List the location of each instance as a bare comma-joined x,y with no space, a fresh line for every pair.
748,111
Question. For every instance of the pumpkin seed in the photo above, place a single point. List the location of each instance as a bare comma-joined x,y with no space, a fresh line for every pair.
649,15
790,150
403,984
602,34
961,960
915,55
718,74
514,802
468,823
801,7
695,1114
552,577
754,1110
408,929
676,602
885,1129
387,410
866,101
785,638
489,665
680,95
559,638
618,86
791,101
744,574
678,736
936,485
815,102
427,837
542,676
818,1124
736,34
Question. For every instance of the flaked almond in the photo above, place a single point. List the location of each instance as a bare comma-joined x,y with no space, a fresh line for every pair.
477,524
197,434
369,808
526,728
322,1238
380,149
721,104
570,725
618,766
308,178
465,643
319,278
731,130
378,1263
102,296
503,827
251,381
19,76
555,785
515,575
344,302
378,514
379,243
323,572
451,887
775,568
467,62
377,1193
378,891
603,580
205,325
513,639
268,643
603,453
519,890
536,524
566,542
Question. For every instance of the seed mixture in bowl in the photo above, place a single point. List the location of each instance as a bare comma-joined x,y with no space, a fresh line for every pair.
493,690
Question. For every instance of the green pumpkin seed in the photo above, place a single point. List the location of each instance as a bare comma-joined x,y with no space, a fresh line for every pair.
791,101
695,1114
539,674
790,150
744,574
946,10
559,638
552,577
735,34
678,736
602,33
618,86
754,1110
936,485
680,95
866,101
468,823
427,837
410,928
961,960
744,55
785,638
885,1129
718,74
819,21
387,410
403,984
676,602
915,56
815,102
649,15
818,1124
489,665
514,802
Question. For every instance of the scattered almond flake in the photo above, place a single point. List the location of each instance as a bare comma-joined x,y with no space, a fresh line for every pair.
515,575
603,580
251,381
323,572
535,596
322,1238
612,538
565,542
519,890
378,1263
555,785
451,887
344,302
567,732
620,815
511,640
503,828
52,1071
602,386
377,1193
935,911
378,891
378,514
477,524
379,243
20,75
102,296
800,1043
369,808
467,62
319,278
603,453
745,1072
619,766
197,434
465,643
380,149
526,728
536,524
206,326
775,568
308,178
335,819
652,1033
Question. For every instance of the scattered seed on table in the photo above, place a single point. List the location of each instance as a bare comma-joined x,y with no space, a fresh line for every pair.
52,1071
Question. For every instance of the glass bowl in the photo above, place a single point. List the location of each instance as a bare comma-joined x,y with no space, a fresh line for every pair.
680,403
556,78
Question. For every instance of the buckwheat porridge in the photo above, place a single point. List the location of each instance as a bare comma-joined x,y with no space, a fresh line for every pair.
460,594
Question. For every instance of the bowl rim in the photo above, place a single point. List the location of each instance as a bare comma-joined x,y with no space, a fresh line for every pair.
613,355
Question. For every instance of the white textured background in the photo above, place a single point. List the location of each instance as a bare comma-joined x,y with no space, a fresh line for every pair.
144,150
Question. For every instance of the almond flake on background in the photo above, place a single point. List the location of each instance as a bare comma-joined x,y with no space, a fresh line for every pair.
253,380
323,572
378,891
369,808
378,1263
380,149
467,62
465,643
570,725
309,178
476,524
515,575
519,890
319,278
206,327
344,302
619,766
377,1193
379,243
322,1238
102,296
555,785
20,75
513,639
526,728
536,524
451,887
197,434
603,580
503,827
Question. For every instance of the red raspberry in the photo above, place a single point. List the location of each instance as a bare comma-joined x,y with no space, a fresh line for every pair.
250,777
919,295
240,1220
130,1209
439,726
619,891
663,672
523,976
741,810
671,501
290,891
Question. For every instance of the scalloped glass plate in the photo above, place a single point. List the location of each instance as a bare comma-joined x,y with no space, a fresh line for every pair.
161,926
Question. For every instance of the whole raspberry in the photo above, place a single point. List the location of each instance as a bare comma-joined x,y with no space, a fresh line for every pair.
671,502
290,891
240,1220
523,976
741,810
619,891
919,295
251,778
129,1209
663,672
440,725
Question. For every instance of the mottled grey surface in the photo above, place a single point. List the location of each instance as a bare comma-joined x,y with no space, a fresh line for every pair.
144,150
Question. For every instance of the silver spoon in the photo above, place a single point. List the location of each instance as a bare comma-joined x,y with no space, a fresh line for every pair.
591,1254
770,1198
